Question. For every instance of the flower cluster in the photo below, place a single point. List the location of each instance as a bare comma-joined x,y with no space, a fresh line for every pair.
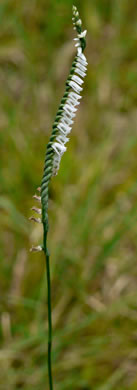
63,121
74,83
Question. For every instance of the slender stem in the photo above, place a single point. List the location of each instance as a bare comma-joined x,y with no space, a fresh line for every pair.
49,306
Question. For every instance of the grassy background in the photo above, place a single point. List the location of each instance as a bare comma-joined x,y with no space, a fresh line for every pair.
93,224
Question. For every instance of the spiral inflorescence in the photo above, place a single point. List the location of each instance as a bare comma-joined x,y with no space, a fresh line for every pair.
64,118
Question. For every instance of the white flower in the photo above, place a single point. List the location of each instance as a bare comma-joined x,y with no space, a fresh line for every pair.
64,128
69,108
66,120
82,34
59,148
74,96
38,220
77,79
82,58
36,248
62,139
77,44
75,86
80,66
79,50
73,102
68,112
71,105
38,211
79,22
80,72
74,9
38,198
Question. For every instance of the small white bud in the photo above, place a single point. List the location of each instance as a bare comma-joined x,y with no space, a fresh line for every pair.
77,44
74,8
38,211
38,220
38,198
82,34
36,248
79,22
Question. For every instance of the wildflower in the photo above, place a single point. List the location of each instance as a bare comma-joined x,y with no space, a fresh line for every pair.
56,147
36,248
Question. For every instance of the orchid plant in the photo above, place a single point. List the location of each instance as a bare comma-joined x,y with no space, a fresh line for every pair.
55,148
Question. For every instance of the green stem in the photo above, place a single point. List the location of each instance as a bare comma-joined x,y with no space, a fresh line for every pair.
49,305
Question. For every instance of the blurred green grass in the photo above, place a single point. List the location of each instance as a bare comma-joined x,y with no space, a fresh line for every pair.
93,203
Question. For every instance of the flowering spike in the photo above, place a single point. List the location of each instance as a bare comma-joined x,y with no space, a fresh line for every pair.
66,112
64,118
